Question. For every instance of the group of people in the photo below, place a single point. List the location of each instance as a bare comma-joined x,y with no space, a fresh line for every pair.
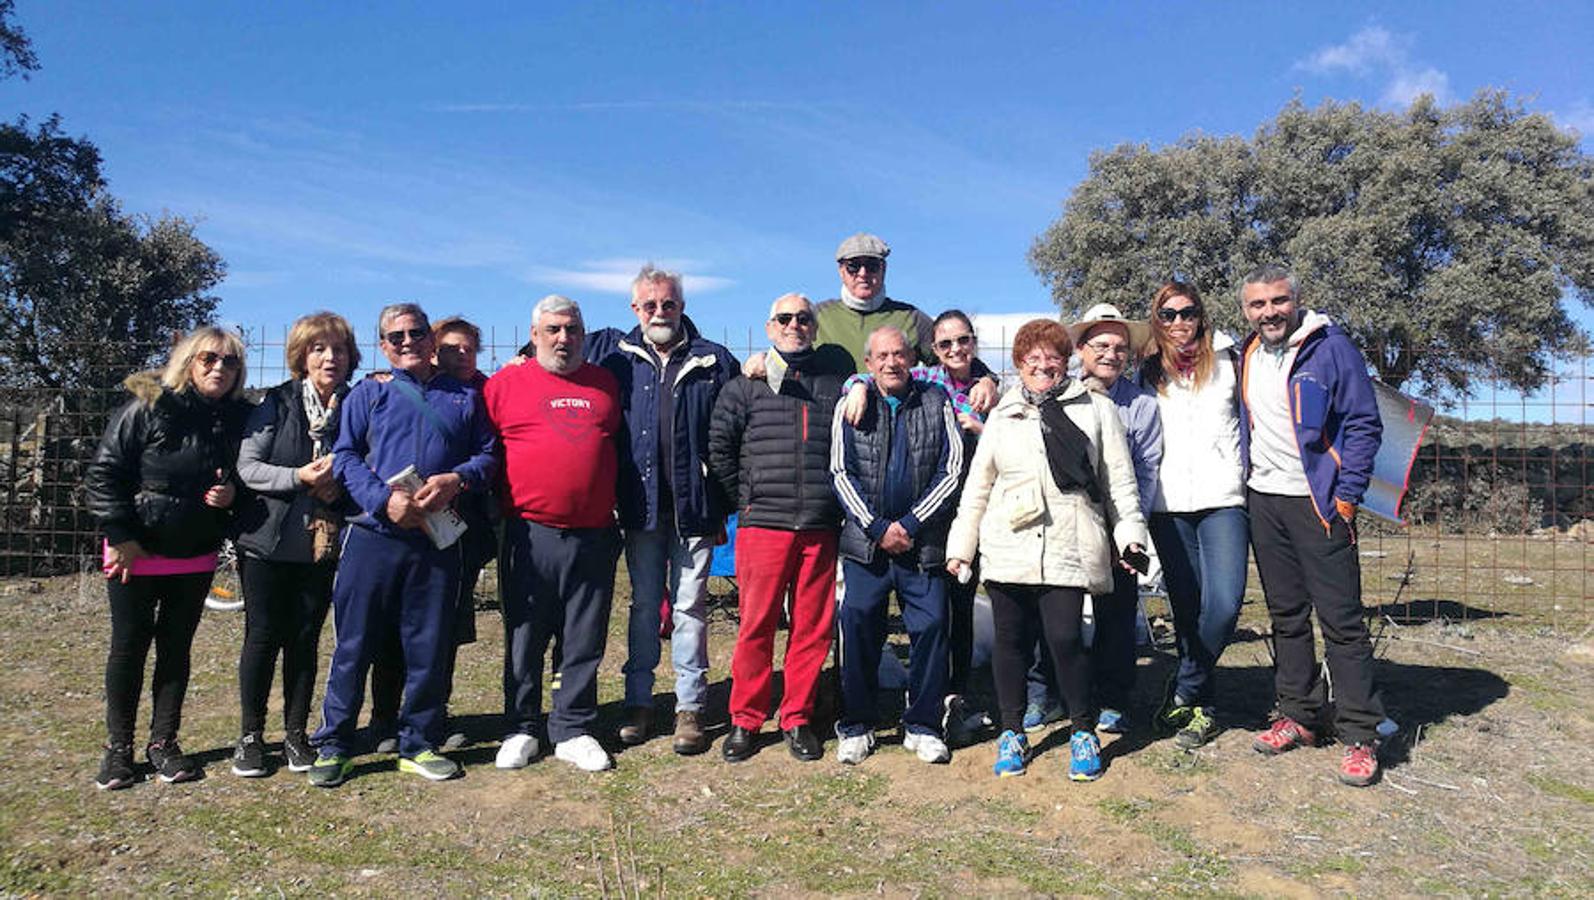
867,452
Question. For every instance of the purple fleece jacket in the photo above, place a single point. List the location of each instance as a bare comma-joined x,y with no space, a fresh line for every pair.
1337,428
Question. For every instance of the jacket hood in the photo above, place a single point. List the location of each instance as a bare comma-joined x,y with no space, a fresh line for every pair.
1311,321
146,385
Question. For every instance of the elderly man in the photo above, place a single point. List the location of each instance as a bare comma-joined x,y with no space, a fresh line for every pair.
1309,430
672,512
769,446
559,419
392,575
896,473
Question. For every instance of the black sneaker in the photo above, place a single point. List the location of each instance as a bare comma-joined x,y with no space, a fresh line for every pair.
171,764
116,768
298,750
249,760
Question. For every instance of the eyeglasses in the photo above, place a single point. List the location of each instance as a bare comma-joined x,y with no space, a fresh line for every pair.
1036,360
667,306
1102,348
417,335
962,340
863,264
1187,313
803,319
209,359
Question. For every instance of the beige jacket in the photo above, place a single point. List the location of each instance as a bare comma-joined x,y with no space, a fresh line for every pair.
1025,529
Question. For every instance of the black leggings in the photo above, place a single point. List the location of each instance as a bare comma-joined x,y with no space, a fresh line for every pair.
1018,611
285,605
159,609
960,630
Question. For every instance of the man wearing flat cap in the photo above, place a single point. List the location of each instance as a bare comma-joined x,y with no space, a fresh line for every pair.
863,306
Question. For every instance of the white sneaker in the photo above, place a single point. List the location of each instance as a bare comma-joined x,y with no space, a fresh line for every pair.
517,751
855,749
930,748
584,753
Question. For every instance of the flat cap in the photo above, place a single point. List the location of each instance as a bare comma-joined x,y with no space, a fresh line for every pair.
862,244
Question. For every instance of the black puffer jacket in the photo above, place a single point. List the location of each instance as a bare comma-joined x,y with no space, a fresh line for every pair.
772,451
159,456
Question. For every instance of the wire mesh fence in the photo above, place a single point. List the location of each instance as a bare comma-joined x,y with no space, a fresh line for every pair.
1500,511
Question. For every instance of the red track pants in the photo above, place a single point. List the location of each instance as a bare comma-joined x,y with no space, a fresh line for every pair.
768,562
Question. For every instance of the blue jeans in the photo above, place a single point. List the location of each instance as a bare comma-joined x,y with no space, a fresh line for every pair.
654,557
1203,566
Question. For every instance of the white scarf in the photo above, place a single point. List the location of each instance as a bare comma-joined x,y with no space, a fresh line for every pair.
863,306
319,415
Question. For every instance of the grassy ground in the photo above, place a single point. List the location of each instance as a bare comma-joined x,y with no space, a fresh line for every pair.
1490,792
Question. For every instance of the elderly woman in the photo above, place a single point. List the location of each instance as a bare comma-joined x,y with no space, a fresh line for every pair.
1051,472
160,487
287,535
1198,517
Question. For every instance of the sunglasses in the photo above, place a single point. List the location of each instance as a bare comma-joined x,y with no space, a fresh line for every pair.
1188,313
668,306
962,340
209,359
417,335
863,264
803,319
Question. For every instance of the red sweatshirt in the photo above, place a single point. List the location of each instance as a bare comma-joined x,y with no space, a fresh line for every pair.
559,435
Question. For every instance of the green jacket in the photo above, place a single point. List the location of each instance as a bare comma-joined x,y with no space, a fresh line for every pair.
849,329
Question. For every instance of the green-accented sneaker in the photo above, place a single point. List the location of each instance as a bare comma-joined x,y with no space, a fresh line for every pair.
330,771
1198,731
1175,713
429,765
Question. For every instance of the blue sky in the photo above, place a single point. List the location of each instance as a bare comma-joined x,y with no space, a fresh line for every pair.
345,155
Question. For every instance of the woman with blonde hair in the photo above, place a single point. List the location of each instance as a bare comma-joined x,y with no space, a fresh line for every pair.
160,486
1198,518
288,526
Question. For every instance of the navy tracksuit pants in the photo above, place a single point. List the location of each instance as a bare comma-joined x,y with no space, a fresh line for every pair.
862,622
386,583
558,586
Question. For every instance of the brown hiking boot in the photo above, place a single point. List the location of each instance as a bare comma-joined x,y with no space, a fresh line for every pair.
689,737
639,723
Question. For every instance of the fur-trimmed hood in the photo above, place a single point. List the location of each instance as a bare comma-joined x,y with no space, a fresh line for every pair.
145,385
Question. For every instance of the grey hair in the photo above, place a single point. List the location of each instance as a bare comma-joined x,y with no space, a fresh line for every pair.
791,296
393,311
868,344
1267,274
652,274
556,303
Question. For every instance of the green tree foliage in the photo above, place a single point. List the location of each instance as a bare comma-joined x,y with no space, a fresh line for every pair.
1442,239
87,293
16,49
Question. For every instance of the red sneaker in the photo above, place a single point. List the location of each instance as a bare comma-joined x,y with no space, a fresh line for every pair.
1359,766
1283,735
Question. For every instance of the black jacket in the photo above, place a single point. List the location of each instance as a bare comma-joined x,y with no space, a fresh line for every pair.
263,515
925,481
159,456
772,451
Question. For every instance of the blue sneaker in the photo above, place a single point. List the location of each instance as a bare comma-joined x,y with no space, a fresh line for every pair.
1086,762
1012,749
1036,717
1111,721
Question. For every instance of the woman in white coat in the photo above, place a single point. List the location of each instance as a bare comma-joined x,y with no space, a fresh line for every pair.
1050,496
1198,517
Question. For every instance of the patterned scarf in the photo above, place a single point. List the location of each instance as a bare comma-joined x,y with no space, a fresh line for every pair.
320,417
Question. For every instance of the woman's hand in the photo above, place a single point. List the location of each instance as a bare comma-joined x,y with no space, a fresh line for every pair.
222,493
956,568
119,560
969,423
316,473
857,400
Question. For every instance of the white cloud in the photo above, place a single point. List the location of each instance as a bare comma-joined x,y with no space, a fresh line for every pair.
1580,117
614,276
1371,48
1373,53
1408,86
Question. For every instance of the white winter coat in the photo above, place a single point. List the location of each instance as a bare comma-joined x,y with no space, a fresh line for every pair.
1201,467
1061,538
